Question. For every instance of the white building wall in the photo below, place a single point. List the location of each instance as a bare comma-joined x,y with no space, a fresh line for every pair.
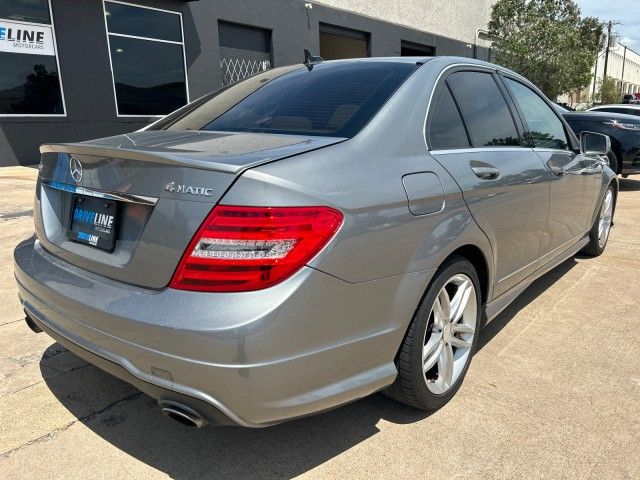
629,75
457,19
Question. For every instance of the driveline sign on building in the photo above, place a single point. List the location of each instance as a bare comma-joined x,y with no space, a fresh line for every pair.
26,38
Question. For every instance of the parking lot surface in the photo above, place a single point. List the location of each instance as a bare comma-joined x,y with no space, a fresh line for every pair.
553,392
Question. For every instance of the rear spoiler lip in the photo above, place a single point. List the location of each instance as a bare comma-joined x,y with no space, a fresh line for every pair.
200,160
160,157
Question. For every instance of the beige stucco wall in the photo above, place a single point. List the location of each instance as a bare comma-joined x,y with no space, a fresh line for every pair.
458,19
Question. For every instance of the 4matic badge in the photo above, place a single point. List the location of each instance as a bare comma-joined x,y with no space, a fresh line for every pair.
173,187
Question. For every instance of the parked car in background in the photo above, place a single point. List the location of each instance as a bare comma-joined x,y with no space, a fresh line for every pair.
623,130
629,98
311,235
625,109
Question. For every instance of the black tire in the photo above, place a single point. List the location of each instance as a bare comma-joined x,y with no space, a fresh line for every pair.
410,386
613,161
595,247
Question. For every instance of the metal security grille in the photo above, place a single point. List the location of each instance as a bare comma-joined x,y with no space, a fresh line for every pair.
244,51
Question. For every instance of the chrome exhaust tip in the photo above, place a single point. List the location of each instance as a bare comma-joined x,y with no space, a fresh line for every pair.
183,415
31,324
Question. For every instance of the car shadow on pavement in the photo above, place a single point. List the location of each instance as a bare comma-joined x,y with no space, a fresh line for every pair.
133,423
629,184
136,426
525,298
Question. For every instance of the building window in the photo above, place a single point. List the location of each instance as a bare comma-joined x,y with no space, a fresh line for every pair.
412,49
30,81
338,42
29,11
146,47
244,51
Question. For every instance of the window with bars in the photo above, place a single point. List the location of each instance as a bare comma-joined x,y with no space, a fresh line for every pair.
244,51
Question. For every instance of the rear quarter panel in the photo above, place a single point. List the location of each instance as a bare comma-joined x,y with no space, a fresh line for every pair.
362,178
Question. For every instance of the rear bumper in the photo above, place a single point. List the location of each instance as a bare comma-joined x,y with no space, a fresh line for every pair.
254,359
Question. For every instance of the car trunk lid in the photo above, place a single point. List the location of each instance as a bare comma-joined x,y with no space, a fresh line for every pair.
162,184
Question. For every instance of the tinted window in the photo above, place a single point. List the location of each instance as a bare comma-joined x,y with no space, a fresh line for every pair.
544,126
149,76
142,22
29,77
447,129
332,99
35,11
485,110
29,84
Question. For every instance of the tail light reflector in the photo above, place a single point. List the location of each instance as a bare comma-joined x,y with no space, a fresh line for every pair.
250,248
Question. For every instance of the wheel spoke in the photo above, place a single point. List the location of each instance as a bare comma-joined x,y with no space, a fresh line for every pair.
604,223
462,328
460,300
452,327
460,343
431,351
442,306
600,227
445,366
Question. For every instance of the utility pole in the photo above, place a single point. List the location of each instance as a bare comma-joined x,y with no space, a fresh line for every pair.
624,61
606,54
595,79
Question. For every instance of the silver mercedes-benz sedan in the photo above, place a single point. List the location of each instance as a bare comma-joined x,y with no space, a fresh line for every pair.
311,235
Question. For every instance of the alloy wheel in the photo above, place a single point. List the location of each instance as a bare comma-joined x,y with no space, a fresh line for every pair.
604,219
450,333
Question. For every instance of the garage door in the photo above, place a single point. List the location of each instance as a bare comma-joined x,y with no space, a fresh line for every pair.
337,42
244,51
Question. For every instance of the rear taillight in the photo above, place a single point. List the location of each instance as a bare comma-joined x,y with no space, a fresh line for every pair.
249,248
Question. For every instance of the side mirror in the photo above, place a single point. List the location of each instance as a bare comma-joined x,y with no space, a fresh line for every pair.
592,143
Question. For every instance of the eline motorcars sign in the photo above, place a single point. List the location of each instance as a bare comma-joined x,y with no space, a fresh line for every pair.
26,38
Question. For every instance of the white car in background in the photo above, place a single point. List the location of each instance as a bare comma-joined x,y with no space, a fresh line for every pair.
627,109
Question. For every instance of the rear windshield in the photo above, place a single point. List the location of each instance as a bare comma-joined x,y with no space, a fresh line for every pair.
331,99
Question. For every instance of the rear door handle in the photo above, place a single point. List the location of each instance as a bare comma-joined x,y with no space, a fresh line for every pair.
484,170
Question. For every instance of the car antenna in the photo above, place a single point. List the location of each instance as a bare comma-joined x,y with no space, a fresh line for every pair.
310,60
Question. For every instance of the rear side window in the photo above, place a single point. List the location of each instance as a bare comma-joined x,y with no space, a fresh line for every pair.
544,126
331,99
447,129
484,109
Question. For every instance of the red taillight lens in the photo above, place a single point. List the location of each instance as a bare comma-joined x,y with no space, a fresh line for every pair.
249,248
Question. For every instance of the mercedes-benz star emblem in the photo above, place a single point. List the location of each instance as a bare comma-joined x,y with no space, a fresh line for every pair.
76,168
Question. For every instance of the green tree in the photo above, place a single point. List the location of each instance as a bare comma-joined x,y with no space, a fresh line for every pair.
546,41
608,91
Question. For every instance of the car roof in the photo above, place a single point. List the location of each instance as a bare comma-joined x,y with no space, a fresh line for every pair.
617,105
597,115
443,61
415,59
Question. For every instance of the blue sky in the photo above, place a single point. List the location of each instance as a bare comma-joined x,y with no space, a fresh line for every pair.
625,11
